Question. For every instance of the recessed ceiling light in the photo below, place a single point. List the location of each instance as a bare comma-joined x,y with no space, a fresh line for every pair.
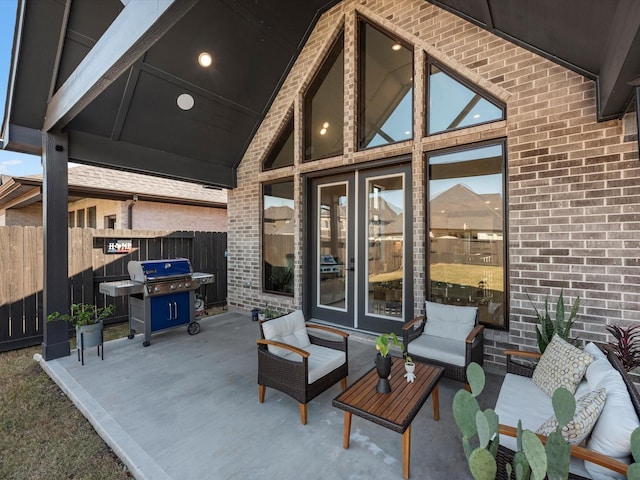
325,125
185,101
323,131
396,46
204,59
477,115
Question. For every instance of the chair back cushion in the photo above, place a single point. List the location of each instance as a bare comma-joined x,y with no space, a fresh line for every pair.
449,321
289,329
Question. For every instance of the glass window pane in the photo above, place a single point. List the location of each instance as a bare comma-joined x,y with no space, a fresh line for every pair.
277,237
453,105
324,108
466,231
385,224
386,89
281,154
332,245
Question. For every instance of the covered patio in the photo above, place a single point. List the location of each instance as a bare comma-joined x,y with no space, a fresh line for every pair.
187,408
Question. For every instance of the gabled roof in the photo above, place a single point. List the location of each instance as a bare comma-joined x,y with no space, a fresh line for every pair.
109,72
96,182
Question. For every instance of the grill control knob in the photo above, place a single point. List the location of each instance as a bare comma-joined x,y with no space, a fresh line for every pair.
172,286
156,289
187,284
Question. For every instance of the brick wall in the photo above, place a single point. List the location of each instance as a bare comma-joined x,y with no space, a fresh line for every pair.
573,194
155,216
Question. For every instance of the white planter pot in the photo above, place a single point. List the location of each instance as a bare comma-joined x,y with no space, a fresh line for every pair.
88,336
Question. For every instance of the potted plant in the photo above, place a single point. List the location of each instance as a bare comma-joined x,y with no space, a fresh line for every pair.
87,319
549,327
627,347
266,313
383,361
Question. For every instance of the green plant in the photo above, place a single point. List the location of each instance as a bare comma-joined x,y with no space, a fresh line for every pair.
549,327
268,312
81,314
384,341
627,347
480,436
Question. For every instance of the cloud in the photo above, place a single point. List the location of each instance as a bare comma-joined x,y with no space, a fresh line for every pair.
11,163
6,165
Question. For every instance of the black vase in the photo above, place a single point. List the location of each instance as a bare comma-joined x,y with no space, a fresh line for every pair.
383,367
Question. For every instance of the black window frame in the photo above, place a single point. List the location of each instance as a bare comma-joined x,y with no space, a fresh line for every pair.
263,282
465,82
505,220
359,82
286,130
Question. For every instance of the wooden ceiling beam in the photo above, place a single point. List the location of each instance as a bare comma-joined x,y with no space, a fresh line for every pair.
140,24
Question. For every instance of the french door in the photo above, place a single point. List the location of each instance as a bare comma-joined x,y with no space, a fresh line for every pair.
358,249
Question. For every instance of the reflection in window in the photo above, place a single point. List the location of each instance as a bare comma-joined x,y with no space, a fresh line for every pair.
386,89
277,237
324,107
453,105
281,154
332,245
466,231
385,224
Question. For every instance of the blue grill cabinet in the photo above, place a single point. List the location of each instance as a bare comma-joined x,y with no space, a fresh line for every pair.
161,295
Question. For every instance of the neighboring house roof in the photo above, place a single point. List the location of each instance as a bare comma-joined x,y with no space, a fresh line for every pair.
96,182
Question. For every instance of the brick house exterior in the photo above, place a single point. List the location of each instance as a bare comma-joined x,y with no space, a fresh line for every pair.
160,204
573,194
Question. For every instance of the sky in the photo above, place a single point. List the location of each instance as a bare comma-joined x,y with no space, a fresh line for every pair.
14,164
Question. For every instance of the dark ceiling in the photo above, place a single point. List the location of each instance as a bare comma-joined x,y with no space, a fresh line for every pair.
133,123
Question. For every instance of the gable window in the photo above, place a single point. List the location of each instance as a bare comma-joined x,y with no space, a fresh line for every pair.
453,104
278,237
324,107
466,230
385,87
281,154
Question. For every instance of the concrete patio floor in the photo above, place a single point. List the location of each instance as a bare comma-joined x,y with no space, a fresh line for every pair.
187,408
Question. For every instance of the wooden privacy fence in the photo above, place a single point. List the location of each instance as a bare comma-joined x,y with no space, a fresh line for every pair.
21,267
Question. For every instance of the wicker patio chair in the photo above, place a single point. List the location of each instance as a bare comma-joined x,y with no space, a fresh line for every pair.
302,371
454,352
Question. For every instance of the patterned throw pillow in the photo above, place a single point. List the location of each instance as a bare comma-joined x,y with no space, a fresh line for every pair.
561,365
588,409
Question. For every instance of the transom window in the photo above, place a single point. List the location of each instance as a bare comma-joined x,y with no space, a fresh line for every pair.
453,104
386,89
324,107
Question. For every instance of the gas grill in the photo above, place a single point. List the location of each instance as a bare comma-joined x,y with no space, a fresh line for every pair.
161,295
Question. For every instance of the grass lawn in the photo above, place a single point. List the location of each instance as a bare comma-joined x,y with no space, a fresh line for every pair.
42,435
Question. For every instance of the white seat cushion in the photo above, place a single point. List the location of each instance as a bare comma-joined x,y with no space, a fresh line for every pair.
449,321
323,360
441,349
289,329
521,399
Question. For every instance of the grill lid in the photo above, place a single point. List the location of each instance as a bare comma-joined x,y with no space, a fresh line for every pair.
154,270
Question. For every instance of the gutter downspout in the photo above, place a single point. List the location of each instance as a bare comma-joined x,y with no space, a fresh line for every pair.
130,212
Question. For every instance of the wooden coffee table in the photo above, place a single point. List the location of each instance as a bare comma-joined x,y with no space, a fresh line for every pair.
395,410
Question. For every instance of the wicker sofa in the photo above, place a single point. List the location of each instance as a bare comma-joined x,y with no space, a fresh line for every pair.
448,336
520,399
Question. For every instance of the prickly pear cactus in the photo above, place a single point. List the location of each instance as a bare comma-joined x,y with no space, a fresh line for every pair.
634,469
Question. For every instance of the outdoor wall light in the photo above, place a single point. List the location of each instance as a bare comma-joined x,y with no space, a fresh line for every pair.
185,101
204,59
